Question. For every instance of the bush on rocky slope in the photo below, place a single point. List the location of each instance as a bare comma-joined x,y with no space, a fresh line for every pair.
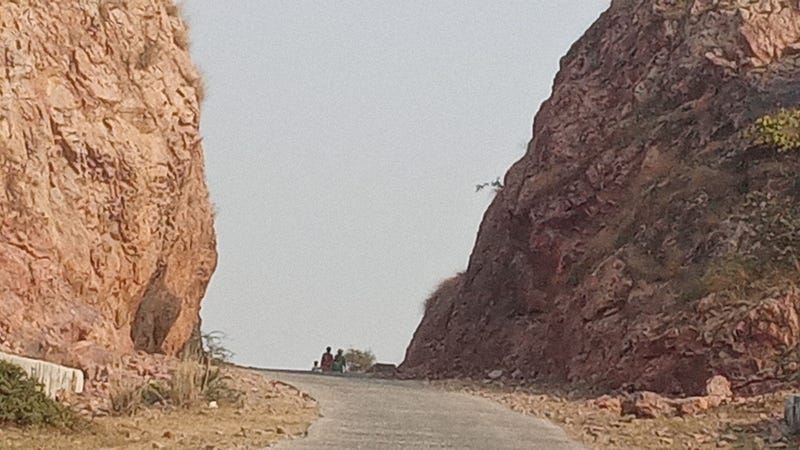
780,130
23,402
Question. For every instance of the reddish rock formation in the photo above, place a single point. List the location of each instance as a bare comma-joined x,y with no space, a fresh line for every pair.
643,241
106,230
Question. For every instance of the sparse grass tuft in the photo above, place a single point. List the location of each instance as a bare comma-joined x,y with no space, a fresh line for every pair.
184,390
189,384
730,273
129,399
199,86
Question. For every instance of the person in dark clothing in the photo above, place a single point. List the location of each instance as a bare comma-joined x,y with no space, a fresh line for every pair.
327,360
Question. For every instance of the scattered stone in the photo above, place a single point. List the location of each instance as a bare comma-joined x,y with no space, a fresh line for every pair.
691,406
495,374
719,386
213,405
648,405
609,403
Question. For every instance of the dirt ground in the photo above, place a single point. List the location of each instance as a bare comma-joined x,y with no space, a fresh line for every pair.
270,411
742,423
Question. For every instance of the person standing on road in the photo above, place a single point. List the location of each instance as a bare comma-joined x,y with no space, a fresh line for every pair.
339,362
327,360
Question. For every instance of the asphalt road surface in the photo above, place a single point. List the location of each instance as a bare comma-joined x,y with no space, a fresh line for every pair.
363,413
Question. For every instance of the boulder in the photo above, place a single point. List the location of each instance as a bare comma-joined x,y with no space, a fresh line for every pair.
495,374
648,197
107,236
692,406
648,405
608,403
719,386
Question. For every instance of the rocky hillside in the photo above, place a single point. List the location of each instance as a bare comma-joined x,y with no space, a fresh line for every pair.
648,239
106,230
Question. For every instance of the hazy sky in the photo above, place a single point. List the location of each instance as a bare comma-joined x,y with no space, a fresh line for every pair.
343,143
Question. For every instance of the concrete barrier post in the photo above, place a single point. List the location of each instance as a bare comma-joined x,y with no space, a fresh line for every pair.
53,377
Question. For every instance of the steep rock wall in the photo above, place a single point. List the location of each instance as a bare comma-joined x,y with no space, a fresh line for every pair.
106,230
643,241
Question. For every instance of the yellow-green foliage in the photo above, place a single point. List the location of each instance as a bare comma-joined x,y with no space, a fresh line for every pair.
22,401
359,360
780,130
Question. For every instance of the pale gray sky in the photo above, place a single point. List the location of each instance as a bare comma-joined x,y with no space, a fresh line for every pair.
343,142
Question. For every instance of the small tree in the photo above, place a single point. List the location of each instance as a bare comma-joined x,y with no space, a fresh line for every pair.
359,360
497,185
214,348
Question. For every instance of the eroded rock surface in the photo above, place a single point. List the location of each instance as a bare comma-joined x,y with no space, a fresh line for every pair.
643,241
106,230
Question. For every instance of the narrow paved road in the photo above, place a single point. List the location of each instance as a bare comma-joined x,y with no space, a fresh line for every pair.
360,413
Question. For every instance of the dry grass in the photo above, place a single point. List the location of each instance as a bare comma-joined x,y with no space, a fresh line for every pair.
180,35
128,399
190,384
199,86
730,273
267,413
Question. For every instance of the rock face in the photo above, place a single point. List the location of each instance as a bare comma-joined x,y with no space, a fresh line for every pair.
643,241
106,230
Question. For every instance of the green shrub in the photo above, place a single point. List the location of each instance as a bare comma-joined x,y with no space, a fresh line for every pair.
23,401
780,130
359,360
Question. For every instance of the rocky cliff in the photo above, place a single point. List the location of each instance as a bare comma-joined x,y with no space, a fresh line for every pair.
648,239
106,230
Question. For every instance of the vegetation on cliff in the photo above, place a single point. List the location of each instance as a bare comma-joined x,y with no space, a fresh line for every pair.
780,130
